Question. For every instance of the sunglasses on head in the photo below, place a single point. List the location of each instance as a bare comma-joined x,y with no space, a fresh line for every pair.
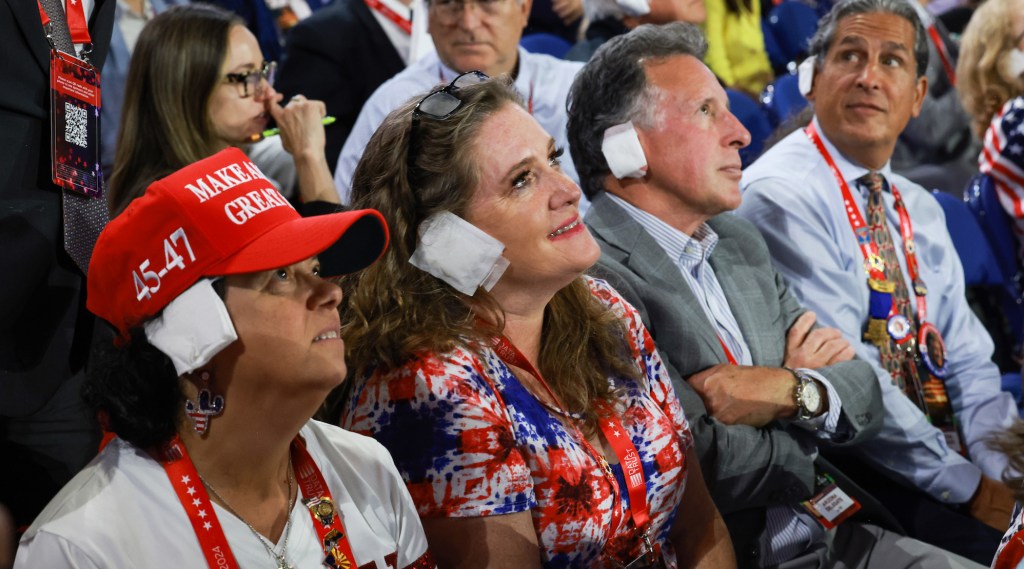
440,105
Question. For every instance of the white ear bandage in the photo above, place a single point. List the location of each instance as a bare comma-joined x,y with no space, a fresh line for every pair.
193,328
459,253
805,76
1014,64
634,7
622,150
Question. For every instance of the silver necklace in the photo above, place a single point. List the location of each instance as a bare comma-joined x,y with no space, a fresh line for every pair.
282,563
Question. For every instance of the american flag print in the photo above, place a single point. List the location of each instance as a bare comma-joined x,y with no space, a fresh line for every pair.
470,440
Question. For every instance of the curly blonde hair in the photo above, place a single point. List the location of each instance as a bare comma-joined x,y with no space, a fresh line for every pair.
395,312
982,83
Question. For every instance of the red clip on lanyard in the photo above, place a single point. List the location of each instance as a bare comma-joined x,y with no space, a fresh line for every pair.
383,9
728,354
611,426
77,25
868,247
194,498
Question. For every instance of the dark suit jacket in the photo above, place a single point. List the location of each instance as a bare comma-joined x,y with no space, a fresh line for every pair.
339,55
746,469
44,329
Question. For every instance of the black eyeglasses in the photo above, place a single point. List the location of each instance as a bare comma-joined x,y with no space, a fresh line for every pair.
440,105
252,81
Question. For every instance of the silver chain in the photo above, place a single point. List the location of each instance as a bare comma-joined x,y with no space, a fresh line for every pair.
280,558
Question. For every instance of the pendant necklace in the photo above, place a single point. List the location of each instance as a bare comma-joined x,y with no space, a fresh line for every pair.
279,558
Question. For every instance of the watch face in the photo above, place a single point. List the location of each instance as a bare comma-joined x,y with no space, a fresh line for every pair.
810,397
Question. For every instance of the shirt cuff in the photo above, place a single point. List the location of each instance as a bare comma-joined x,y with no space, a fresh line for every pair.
826,424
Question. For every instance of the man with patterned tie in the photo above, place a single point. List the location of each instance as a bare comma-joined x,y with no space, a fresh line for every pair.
869,252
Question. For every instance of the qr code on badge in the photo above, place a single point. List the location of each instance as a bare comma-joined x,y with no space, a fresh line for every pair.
75,129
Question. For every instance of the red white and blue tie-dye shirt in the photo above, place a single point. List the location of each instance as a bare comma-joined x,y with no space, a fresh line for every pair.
470,440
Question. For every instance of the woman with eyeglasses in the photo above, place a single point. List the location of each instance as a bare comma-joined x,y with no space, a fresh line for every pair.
524,403
198,84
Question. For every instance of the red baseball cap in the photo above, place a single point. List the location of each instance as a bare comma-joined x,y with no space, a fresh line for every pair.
219,216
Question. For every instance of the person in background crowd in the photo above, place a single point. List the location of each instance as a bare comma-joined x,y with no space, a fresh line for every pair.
271,21
559,17
869,252
469,35
46,434
198,84
1002,158
736,52
524,404
992,67
764,388
341,54
937,148
610,18
222,357
129,19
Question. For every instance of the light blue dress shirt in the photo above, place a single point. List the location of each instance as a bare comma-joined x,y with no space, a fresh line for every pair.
547,78
791,195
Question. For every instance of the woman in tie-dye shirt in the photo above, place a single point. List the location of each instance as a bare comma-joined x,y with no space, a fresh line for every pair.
503,382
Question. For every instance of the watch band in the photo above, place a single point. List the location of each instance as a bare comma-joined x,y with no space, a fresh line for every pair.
802,381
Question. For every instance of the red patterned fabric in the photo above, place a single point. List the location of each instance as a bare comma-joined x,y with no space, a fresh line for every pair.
470,440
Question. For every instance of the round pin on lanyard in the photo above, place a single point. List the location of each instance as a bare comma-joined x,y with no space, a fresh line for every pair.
932,349
898,327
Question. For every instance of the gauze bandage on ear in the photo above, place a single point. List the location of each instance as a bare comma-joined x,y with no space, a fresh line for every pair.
634,7
192,328
805,76
622,150
459,253
1014,63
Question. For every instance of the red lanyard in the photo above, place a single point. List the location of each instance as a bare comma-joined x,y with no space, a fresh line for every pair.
77,25
610,425
192,494
728,354
940,47
384,10
868,247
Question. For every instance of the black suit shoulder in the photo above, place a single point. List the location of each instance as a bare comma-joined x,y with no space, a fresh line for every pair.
339,55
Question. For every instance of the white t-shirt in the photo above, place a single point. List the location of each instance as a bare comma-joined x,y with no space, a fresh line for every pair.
121,512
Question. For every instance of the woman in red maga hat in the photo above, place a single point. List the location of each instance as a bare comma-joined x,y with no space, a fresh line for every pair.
228,343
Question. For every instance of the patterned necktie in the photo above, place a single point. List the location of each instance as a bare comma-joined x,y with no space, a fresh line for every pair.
84,217
898,359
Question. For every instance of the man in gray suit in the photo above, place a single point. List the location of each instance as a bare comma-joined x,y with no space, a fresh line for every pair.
657,152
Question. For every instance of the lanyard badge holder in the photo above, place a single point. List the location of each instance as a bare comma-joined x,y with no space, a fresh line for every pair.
830,505
74,110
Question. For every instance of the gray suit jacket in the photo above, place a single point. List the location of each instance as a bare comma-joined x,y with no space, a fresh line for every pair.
746,469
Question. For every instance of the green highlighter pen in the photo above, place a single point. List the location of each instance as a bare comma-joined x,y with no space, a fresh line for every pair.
276,131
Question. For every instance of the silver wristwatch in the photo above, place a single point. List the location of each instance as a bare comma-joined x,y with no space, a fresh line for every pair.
808,397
